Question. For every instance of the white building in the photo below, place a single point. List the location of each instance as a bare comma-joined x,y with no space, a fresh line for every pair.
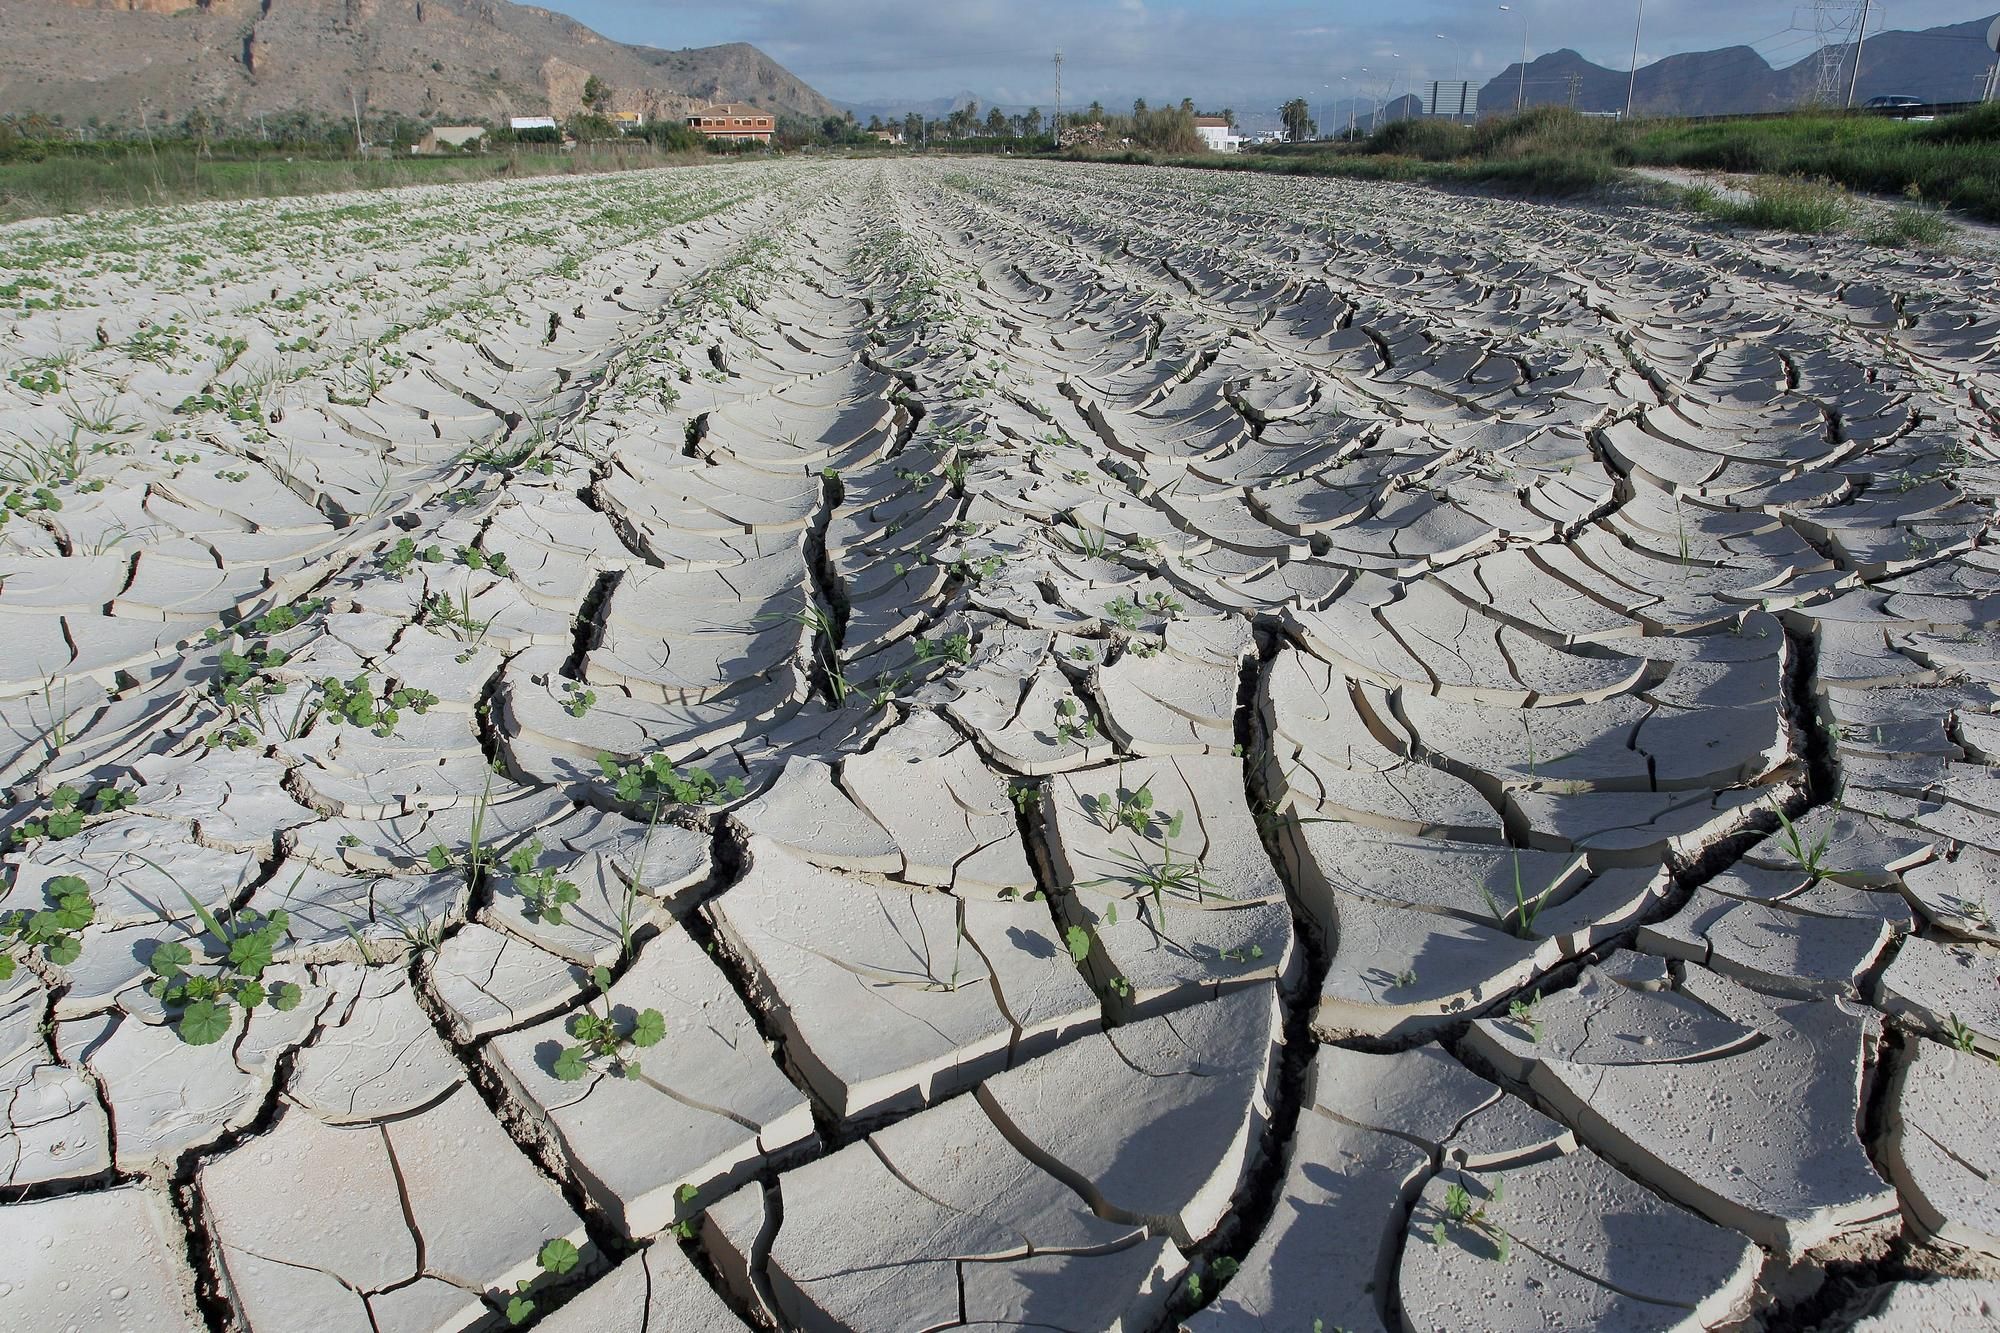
1217,134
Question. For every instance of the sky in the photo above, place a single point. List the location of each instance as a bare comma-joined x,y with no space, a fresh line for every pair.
1243,54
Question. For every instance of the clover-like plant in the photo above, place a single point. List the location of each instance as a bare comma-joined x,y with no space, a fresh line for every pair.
602,1038
57,930
356,703
556,1257
201,991
544,893
68,808
398,558
1130,809
472,557
655,781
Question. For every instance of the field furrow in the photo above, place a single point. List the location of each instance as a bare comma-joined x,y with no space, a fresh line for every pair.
912,745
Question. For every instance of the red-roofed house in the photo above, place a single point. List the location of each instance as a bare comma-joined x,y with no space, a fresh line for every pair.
731,121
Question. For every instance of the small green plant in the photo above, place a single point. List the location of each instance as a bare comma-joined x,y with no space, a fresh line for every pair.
201,992
955,648
444,611
1130,809
544,893
1459,1211
474,558
604,1038
655,781
239,680
977,571
1963,1038
68,808
234,402
1405,978
1091,543
1078,940
37,381
1125,613
578,699
556,1258
1523,1012
1073,725
57,930
405,553
1520,918
356,703
1222,1269
1025,796
1810,854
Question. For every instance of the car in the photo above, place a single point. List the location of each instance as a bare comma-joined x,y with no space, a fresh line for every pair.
1898,105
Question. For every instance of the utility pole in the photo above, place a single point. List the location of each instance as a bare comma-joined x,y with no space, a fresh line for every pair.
1521,91
1575,89
1860,43
1059,124
1632,84
354,104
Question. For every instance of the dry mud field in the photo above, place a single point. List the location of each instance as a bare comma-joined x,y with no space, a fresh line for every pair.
905,747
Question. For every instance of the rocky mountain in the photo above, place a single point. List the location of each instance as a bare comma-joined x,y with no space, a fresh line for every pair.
1946,64
124,60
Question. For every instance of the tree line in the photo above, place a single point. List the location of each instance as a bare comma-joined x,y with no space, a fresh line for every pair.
1169,128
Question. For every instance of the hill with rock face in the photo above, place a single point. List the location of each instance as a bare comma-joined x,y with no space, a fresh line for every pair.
124,60
1946,64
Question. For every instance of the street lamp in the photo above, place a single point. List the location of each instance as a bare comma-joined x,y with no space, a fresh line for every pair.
1521,93
1458,70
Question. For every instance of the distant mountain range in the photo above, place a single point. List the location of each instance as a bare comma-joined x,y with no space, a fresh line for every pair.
1945,64
121,60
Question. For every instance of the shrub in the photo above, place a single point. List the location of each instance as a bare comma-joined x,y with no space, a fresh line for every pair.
1911,225
1544,131
1792,204
1431,140
1979,125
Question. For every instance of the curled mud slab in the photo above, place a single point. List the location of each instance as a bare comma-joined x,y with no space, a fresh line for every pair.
915,746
